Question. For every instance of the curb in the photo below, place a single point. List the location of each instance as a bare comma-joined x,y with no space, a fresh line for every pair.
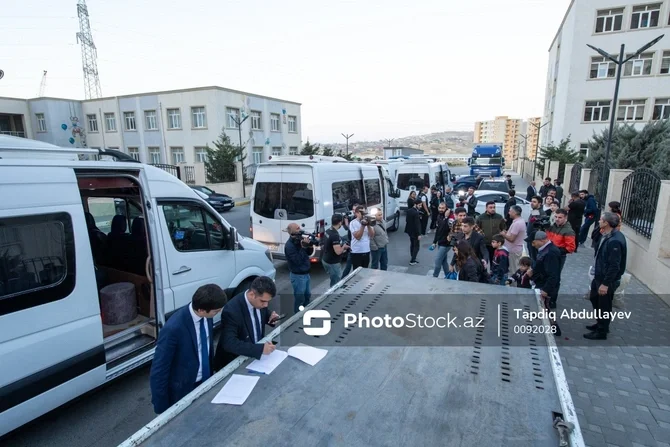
242,202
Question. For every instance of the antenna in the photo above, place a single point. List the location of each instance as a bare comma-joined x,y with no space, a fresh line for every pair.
43,84
89,55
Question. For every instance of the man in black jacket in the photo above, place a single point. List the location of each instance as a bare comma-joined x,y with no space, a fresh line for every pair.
440,240
476,240
546,187
243,323
610,265
298,250
471,201
531,191
413,229
547,269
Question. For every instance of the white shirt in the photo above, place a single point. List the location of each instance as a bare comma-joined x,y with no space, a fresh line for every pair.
252,309
361,245
196,322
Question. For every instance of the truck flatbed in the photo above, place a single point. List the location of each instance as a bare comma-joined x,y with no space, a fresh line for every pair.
392,386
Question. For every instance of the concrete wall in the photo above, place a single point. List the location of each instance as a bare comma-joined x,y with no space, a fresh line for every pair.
56,113
15,106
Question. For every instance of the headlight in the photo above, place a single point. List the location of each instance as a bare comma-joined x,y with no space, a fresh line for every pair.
461,193
268,253
372,211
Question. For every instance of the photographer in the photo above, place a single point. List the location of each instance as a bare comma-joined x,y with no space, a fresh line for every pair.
298,249
361,233
378,243
333,249
345,225
562,235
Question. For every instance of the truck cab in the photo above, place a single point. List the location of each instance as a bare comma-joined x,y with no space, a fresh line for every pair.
487,160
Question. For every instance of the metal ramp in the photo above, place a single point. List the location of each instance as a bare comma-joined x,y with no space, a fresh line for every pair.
394,386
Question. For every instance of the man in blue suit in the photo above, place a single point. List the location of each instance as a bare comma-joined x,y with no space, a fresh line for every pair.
243,323
185,348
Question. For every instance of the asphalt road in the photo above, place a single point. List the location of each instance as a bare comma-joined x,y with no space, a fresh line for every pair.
111,414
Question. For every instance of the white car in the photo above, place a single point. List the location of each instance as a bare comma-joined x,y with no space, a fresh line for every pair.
500,198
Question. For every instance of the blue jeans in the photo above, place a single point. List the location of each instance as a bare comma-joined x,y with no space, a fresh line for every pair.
441,260
301,291
584,231
334,272
380,257
347,268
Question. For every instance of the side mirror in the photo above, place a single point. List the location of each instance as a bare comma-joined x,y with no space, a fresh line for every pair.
469,161
453,178
232,238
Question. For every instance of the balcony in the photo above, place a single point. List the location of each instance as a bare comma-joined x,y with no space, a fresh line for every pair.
12,124
13,134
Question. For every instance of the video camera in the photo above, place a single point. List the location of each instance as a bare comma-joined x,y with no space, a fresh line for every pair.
542,223
310,238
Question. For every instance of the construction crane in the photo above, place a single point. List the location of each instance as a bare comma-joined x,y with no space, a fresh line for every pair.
43,84
89,54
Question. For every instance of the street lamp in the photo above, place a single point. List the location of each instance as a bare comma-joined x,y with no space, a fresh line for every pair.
537,145
239,122
525,152
347,137
620,61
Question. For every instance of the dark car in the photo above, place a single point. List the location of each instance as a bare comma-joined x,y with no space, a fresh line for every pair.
464,182
220,202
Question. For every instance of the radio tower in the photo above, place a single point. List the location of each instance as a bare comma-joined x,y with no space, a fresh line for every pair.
43,85
89,55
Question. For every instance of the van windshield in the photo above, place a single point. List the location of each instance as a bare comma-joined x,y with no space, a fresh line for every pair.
295,198
406,179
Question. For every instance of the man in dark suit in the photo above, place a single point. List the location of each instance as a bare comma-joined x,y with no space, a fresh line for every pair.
243,323
413,228
185,348
476,240
531,191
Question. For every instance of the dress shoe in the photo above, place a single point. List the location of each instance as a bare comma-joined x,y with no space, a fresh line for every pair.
594,328
595,336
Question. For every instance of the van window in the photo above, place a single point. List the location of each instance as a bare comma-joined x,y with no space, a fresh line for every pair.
192,228
406,179
296,198
373,192
37,263
345,194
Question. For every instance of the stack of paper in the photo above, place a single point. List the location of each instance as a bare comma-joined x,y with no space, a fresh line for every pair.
268,363
236,390
307,354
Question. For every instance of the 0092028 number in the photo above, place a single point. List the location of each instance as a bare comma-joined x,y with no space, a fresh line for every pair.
534,329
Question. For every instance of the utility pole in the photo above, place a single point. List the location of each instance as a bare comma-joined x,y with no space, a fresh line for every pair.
620,62
43,84
89,54
537,146
389,141
239,122
347,137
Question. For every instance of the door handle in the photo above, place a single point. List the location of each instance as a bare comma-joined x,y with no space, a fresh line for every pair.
182,269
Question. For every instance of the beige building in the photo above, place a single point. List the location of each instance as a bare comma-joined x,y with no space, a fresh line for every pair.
509,131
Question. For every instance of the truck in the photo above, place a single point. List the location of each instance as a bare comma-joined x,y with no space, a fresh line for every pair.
409,362
487,159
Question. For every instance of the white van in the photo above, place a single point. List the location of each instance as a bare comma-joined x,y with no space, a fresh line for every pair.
414,173
70,232
308,190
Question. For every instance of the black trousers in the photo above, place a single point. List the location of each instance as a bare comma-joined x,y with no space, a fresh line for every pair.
491,251
414,245
562,264
424,223
602,303
360,260
433,219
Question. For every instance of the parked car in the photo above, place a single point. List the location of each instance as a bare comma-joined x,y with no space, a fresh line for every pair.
220,202
496,184
463,183
500,198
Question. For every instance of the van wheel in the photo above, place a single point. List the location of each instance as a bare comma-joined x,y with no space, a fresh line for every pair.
396,222
244,285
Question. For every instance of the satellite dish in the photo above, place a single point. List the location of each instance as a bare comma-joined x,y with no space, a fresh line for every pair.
2,74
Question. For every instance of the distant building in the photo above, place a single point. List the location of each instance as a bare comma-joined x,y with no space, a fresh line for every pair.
509,131
580,82
396,151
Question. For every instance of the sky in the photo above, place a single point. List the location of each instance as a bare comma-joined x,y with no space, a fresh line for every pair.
377,69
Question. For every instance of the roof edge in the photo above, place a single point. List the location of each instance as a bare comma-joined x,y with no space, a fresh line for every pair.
561,25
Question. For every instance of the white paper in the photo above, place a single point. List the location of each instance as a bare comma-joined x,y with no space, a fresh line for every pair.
307,354
236,390
268,363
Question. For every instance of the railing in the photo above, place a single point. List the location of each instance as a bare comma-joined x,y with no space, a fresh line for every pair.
639,199
174,170
575,177
12,133
596,185
189,175
250,174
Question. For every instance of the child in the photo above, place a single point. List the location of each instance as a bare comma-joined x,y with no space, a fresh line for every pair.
521,276
500,264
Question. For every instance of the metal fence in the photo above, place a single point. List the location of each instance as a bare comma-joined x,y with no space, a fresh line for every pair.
596,186
189,175
575,177
174,170
639,199
250,174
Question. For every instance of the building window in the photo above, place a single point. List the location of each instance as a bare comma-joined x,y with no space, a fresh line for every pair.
274,122
276,151
174,118
41,122
645,16
92,123
150,120
110,122
155,155
205,232
200,154
640,66
293,150
199,120
233,117
631,110
256,120
292,124
134,152
597,111
662,109
601,68
665,63
609,20
584,149
129,118
177,155
257,155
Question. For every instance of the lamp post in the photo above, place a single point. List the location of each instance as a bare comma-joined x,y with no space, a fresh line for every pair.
525,149
239,122
620,61
347,137
537,145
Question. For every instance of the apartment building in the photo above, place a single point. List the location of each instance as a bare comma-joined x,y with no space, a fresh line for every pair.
169,127
509,131
580,82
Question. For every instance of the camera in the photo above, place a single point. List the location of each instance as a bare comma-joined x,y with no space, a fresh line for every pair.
542,223
310,238
364,221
